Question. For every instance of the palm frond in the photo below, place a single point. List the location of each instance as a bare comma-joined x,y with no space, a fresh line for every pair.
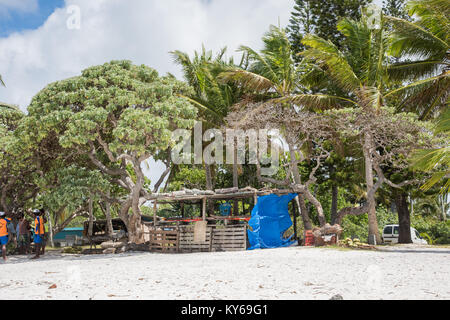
252,81
443,125
412,39
314,101
433,15
204,108
260,65
435,179
326,55
415,70
425,99
443,76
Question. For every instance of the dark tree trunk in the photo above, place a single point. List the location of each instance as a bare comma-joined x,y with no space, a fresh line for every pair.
307,224
404,218
334,204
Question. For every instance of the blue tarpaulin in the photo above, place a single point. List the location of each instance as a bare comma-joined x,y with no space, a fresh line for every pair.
270,220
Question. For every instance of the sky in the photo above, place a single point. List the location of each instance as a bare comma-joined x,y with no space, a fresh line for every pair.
42,41
20,15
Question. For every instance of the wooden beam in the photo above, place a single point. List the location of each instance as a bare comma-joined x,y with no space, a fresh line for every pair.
204,208
294,209
155,209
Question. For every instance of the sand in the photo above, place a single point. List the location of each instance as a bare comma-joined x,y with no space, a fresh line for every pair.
288,274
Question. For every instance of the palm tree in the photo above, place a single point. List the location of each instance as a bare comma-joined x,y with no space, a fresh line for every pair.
424,46
436,159
435,205
212,98
273,78
427,41
361,73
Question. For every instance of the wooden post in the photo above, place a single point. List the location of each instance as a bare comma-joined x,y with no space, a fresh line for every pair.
244,212
91,217
204,208
109,226
294,211
182,209
50,229
155,208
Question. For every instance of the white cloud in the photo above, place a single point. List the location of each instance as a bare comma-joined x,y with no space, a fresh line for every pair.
6,6
143,31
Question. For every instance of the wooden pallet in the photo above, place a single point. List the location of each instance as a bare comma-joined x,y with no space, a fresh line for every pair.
187,243
164,241
181,239
229,238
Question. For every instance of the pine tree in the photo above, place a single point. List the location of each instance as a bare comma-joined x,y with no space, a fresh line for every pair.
321,18
300,23
395,8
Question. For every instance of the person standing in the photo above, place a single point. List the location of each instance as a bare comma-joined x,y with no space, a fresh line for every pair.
12,237
24,235
45,235
4,239
39,231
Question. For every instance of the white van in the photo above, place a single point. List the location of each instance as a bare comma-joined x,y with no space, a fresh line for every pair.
390,235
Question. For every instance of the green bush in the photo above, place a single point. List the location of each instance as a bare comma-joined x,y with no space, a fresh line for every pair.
438,231
358,226
441,232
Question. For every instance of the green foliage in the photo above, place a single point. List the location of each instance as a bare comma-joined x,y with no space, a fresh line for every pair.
271,72
129,107
438,159
395,8
437,231
110,119
356,226
212,98
321,18
74,187
188,177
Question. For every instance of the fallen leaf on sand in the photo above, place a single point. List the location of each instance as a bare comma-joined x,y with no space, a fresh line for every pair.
53,286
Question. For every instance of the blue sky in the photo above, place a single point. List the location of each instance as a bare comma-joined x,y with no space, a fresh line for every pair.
38,44
38,47
15,18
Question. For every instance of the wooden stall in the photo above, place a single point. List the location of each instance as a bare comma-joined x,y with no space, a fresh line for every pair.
207,233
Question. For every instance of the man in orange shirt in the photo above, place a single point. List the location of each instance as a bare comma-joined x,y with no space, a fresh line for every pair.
39,231
4,233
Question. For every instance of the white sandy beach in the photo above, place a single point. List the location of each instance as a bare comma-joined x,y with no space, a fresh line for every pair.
289,273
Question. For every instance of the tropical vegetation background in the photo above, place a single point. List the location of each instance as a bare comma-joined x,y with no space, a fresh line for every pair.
361,98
